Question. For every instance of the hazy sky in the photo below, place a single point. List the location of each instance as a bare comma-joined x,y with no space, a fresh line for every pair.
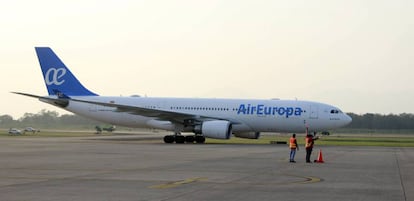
355,54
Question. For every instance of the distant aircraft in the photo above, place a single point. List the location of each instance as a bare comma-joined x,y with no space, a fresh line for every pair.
109,129
15,131
211,118
31,129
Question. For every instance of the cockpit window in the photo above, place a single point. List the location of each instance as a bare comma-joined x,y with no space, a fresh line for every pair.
335,111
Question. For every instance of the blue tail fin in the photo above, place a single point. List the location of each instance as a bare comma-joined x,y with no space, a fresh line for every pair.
58,77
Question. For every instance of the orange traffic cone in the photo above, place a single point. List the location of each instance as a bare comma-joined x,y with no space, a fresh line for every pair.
320,158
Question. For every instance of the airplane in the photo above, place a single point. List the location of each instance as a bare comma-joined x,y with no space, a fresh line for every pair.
204,117
109,129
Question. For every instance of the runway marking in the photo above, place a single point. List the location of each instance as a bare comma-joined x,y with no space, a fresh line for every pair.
308,180
178,183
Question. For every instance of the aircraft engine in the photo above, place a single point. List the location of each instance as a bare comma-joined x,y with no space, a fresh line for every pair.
217,129
248,135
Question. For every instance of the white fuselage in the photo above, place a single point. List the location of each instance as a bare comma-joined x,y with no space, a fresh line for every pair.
246,115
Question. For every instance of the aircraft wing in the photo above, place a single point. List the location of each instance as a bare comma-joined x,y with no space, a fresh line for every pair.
175,117
172,116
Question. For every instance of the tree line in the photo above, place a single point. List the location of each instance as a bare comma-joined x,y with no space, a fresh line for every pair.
46,119
379,121
52,119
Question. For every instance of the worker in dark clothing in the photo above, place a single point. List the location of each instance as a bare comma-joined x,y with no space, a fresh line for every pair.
309,141
293,145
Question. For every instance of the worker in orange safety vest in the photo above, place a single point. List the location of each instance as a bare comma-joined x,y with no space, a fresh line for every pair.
309,141
293,145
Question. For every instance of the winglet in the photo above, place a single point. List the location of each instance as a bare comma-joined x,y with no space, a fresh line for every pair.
57,76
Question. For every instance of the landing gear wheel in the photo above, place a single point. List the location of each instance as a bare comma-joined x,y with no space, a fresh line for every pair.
179,139
189,139
169,139
200,139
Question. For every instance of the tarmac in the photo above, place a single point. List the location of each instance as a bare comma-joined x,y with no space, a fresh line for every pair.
97,169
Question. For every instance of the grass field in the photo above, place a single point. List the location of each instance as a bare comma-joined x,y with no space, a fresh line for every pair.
4,133
389,140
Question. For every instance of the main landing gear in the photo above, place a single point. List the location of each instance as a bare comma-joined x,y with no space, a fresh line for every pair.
180,139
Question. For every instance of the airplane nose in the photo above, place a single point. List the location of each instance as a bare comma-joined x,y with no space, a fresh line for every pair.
347,120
